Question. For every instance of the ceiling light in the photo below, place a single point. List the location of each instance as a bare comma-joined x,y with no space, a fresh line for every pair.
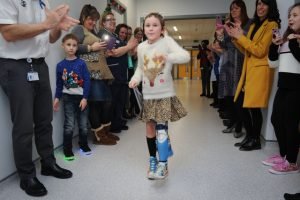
180,38
175,28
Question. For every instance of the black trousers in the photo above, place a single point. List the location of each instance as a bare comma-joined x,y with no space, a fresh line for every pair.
205,77
31,112
252,118
118,92
285,119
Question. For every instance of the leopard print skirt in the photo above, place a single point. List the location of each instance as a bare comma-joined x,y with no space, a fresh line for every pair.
162,110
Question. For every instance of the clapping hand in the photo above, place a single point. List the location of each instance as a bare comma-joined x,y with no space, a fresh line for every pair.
234,30
58,18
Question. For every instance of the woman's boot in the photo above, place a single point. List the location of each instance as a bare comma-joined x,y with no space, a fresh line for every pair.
110,135
101,138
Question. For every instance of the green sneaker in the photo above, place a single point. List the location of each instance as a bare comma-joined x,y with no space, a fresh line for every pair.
69,155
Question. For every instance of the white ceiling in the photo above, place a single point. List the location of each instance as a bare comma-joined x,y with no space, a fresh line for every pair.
191,30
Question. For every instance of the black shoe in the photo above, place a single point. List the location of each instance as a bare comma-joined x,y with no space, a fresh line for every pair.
216,106
213,104
56,171
202,95
85,149
229,129
124,127
225,115
244,141
126,116
291,196
123,121
238,134
33,187
252,144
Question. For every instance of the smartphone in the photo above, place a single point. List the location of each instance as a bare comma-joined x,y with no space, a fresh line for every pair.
276,32
110,41
230,24
219,20
219,23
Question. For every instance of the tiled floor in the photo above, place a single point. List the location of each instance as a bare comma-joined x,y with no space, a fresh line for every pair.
205,166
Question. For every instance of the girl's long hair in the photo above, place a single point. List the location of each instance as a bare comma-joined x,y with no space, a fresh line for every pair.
289,30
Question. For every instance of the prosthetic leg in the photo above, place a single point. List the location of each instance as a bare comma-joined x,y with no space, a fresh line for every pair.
164,150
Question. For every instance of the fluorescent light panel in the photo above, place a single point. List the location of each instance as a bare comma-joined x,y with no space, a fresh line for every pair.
175,28
180,38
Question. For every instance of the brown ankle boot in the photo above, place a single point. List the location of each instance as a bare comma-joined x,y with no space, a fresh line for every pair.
110,135
103,138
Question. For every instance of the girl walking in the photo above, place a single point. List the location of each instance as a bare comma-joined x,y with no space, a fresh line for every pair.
156,57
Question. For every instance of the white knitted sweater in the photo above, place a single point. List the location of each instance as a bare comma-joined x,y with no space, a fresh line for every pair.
155,73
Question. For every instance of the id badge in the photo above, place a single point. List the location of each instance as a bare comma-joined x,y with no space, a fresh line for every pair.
32,76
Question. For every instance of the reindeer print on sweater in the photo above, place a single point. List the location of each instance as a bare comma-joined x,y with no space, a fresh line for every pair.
153,67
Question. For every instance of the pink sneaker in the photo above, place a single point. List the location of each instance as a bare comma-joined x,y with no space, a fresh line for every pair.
284,168
273,160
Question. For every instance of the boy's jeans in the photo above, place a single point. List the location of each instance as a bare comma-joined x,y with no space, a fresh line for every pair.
73,111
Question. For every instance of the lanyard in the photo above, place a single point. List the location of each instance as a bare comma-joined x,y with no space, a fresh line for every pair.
42,4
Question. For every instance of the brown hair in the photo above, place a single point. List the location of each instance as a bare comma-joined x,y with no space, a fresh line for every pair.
244,16
158,16
289,30
88,11
70,36
137,29
103,18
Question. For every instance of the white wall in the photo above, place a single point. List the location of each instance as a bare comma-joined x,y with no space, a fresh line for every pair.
7,166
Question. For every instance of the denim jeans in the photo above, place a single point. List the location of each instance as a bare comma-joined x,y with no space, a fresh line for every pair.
72,111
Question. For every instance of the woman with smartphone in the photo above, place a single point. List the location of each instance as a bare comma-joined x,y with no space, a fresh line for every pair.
92,50
285,53
231,68
256,80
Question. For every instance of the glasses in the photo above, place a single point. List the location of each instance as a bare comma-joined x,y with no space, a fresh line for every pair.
110,20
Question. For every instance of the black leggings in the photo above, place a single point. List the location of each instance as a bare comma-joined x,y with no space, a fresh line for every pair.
251,117
99,113
285,119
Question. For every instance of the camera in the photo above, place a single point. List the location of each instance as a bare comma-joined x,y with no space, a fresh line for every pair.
275,32
110,41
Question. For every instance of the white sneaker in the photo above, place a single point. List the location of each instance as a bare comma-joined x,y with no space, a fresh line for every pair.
161,171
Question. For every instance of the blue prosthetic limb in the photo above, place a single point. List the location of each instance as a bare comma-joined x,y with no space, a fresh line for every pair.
162,142
171,153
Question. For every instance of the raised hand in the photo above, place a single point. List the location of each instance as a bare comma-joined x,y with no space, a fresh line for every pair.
58,18
96,46
66,23
132,43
